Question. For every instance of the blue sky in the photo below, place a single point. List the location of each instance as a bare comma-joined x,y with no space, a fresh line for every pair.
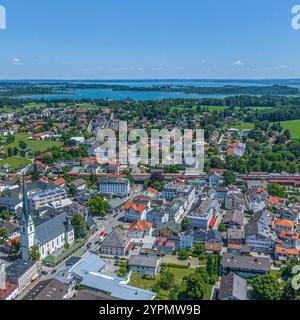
140,39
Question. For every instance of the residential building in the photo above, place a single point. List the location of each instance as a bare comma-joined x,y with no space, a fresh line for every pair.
114,187
45,198
233,287
117,243
172,190
139,229
144,265
245,266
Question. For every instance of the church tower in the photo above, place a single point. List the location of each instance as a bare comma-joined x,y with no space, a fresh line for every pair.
27,227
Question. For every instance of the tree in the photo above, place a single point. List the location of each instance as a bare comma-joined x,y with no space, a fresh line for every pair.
185,224
3,235
167,280
209,265
229,177
15,249
196,286
199,250
5,215
98,206
183,254
22,145
34,253
276,190
266,288
80,226
221,227
72,189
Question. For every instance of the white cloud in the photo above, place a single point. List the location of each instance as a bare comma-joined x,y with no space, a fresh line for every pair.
238,63
17,61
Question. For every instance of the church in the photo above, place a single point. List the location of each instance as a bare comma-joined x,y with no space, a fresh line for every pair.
48,233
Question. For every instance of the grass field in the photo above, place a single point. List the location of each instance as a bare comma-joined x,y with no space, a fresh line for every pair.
137,281
242,125
293,126
32,144
15,162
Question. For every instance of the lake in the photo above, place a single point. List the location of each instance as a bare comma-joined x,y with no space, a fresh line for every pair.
153,95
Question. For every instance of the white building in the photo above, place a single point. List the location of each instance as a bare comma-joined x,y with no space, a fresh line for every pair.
114,187
48,235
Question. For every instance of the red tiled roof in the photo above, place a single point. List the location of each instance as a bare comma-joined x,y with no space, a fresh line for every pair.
140,226
10,287
276,200
287,251
284,223
59,182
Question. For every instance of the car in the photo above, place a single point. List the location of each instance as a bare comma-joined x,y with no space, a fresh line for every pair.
44,273
89,245
53,271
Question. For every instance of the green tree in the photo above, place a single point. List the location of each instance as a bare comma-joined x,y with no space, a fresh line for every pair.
183,254
229,177
34,253
80,226
266,288
22,145
15,249
98,206
3,235
196,286
276,190
185,224
5,215
167,280
199,250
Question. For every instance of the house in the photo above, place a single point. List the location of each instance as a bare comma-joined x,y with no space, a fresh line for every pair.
235,236
214,180
233,287
245,266
8,290
234,218
167,247
145,265
203,212
134,211
59,183
285,254
234,199
213,247
117,243
139,229
12,228
10,204
259,237
172,190
176,210
79,184
77,141
284,224
114,187
22,273
157,216
48,290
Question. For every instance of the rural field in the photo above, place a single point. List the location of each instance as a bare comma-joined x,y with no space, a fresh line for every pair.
32,144
15,162
293,126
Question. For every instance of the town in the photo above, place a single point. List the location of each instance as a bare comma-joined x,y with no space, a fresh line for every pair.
76,228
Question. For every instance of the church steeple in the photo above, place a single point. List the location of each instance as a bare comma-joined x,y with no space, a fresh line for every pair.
27,227
26,213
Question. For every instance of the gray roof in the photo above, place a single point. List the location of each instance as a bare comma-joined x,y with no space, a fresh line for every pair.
143,261
48,290
79,182
88,263
11,202
116,287
18,268
118,238
233,285
234,216
51,228
88,295
246,262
